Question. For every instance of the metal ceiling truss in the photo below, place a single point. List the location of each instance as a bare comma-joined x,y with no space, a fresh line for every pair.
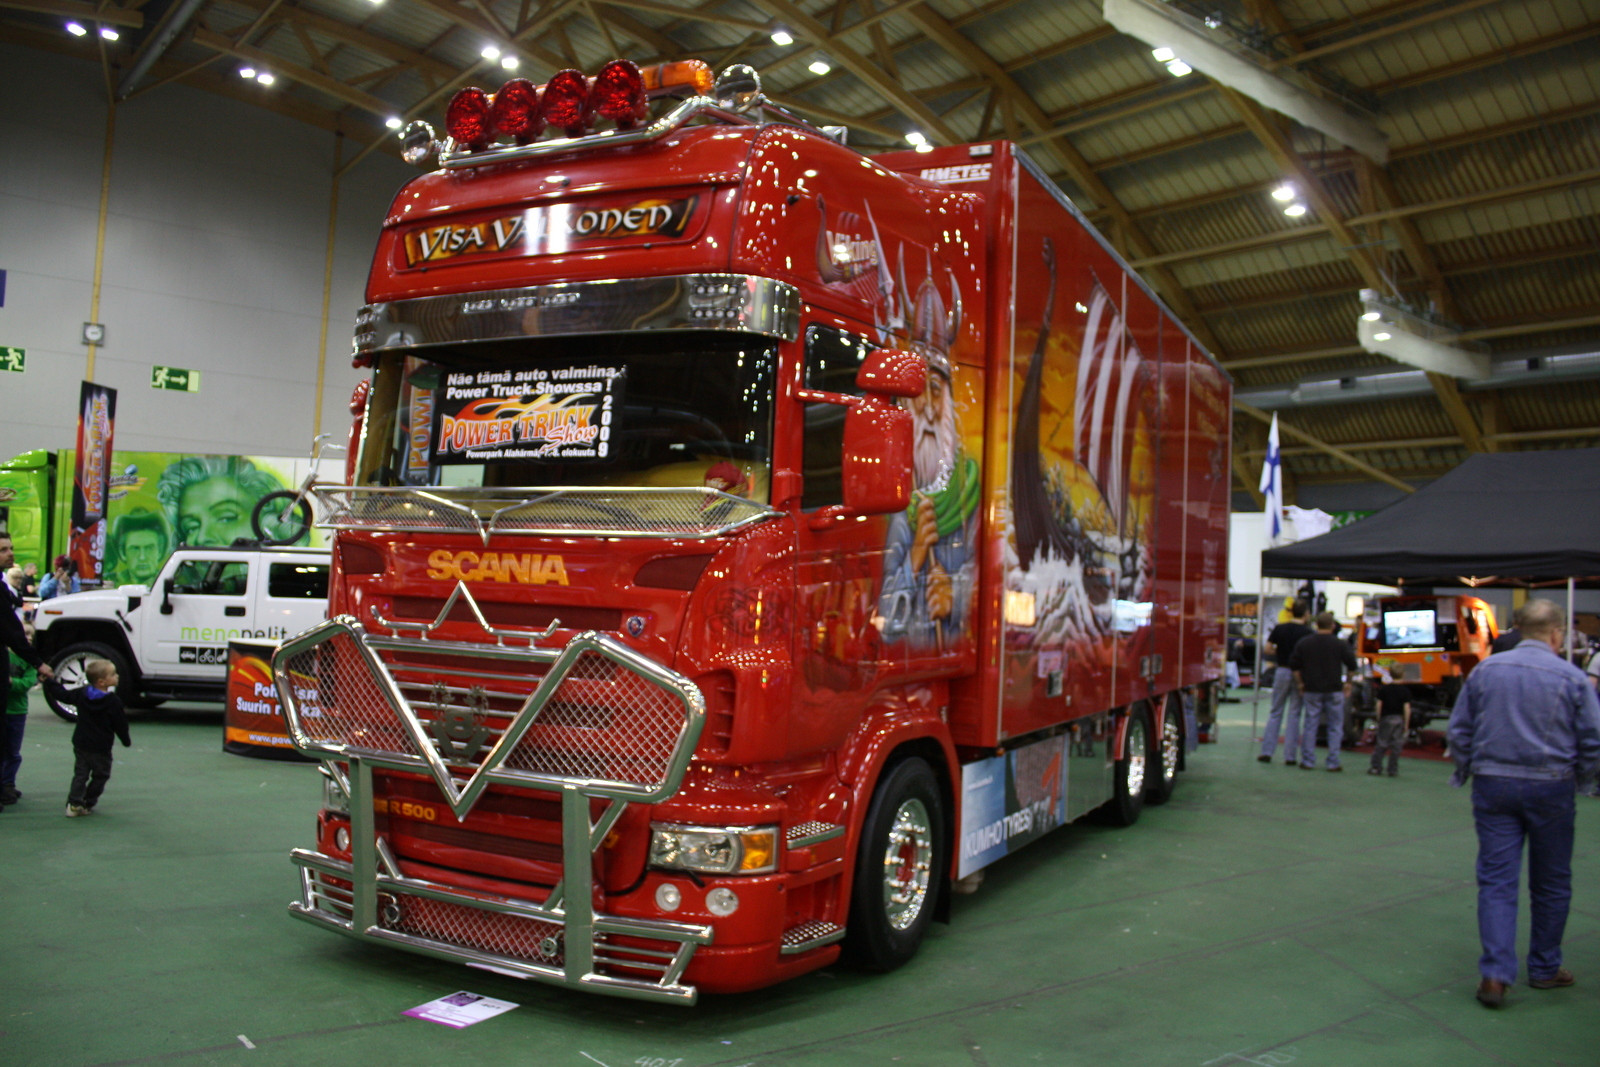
1275,290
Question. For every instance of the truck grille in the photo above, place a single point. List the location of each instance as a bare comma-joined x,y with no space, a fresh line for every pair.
591,722
595,714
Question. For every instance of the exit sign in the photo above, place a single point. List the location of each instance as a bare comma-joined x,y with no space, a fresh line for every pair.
13,359
184,381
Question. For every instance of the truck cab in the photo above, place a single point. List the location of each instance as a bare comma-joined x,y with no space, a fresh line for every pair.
169,641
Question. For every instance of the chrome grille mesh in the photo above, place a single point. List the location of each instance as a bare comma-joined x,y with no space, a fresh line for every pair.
497,933
345,701
602,722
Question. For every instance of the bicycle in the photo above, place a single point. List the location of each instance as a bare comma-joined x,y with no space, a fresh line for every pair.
283,517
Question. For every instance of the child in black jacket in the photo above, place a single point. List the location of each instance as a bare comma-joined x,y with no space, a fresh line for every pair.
100,719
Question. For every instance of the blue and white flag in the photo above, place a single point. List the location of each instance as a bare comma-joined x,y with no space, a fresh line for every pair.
1272,486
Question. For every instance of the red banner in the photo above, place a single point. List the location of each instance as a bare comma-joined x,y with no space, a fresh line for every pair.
91,481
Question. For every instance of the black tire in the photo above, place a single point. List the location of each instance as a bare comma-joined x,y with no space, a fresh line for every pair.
69,666
900,867
1131,772
1159,787
281,518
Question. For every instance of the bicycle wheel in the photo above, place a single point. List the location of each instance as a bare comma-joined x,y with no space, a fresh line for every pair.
281,518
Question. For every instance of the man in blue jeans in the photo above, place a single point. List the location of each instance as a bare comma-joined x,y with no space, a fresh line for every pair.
1322,664
1526,730
1285,694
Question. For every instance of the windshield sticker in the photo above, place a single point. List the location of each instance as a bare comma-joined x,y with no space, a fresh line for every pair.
550,229
488,416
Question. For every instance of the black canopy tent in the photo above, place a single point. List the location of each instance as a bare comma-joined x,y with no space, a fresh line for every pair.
1505,518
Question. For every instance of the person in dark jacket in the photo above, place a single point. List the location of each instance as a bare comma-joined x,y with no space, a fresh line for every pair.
1321,664
100,720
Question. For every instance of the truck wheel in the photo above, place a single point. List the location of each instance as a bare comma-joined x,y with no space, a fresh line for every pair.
281,518
899,866
1131,772
1160,786
69,666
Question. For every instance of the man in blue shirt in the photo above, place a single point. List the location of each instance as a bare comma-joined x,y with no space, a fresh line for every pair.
1526,729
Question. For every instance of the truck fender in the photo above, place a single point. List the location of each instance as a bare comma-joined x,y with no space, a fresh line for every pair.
1119,734
899,723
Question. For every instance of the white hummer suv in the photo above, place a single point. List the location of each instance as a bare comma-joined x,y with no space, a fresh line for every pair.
170,641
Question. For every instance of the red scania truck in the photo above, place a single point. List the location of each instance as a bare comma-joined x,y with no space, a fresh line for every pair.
746,541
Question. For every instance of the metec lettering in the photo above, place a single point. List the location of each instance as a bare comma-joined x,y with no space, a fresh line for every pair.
526,568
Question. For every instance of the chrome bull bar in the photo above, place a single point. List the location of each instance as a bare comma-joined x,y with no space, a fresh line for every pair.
602,722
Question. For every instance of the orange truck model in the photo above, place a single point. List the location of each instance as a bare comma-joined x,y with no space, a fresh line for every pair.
745,540
1429,644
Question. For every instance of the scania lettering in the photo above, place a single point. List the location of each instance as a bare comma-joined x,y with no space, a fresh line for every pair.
715,592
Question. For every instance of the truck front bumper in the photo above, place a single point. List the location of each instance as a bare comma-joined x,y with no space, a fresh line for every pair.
591,721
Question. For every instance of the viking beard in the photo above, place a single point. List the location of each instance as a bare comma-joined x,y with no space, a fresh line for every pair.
935,447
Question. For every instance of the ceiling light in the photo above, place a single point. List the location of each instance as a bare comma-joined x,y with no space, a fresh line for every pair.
1164,54
924,147
1233,61
820,65
1417,338
1294,211
1284,192
247,72
76,29
782,37
1178,68
1214,21
1371,316
509,62
915,137
265,78
109,33
490,52
393,122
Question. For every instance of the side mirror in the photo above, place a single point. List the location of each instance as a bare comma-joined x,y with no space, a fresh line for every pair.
893,372
166,594
878,451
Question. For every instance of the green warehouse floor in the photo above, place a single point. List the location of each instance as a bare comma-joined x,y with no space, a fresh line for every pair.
1266,916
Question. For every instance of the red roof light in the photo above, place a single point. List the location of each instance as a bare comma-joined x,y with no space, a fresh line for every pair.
566,102
515,111
618,94
467,118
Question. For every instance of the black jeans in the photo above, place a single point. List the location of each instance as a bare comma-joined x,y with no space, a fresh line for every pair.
90,773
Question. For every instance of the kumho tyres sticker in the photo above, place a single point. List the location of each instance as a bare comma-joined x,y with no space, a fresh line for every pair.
487,416
548,229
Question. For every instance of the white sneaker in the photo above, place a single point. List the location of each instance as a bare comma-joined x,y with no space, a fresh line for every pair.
75,810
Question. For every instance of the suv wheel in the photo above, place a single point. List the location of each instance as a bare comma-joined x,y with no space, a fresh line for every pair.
69,665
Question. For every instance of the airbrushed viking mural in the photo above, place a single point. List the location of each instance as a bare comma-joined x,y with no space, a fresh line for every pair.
1081,482
930,554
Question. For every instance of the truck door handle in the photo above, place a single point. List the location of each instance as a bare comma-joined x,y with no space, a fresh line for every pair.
237,610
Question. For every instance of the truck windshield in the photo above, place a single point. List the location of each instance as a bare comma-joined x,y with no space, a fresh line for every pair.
638,409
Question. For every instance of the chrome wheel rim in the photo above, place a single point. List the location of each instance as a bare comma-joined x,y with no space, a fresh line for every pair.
1136,749
1170,746
907,864
72,672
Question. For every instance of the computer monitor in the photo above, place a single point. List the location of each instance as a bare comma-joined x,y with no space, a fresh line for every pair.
1410,628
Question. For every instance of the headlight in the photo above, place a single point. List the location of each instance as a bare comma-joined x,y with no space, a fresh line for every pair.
713,849
333,797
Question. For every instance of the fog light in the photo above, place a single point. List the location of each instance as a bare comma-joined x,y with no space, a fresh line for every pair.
341,839
668,897
722,901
